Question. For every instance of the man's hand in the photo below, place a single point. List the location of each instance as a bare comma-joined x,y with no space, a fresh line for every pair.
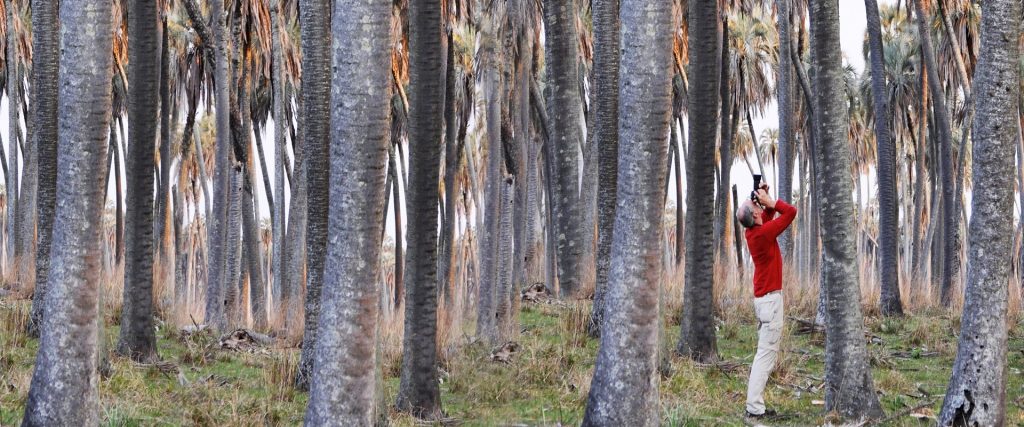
764,198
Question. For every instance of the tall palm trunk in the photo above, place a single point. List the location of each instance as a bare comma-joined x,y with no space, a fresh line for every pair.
849,389
161,236
563,103
606,136
418,391
454,143
491,60
44,118
787,111
14,127
725,138
942,122
315,16
624,390
344,384
137,337
976,394
281,296
697,332
217,240
888,212
64,387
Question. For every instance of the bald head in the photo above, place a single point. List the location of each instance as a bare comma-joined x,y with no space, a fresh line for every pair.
745,214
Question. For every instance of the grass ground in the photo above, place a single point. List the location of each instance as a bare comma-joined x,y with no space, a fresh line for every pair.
546,383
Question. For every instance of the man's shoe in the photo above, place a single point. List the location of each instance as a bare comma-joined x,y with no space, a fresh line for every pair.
768,413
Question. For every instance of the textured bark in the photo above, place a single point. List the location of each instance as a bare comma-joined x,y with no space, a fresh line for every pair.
452,163
787,111
265,172
44,118
697,332
942,123
563,100
64,388
253,257
606,136
849,389
976,394
520,122
217,231
344,384
281,296
14,127
138,338
624,390
162,239
418,391
888,211
487,296
727,119
315,16
504,307
118,203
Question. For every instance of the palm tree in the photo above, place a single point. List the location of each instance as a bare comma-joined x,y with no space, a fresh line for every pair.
849,389
343,387
942,124
137,337
316,97
768,147
697,332
281,296
976,394
217,273
64,383
491,62
14,121
606,136
563,103
44,116
787,111
624,389
418,392
888,214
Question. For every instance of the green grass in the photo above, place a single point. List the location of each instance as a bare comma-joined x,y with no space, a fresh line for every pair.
546,383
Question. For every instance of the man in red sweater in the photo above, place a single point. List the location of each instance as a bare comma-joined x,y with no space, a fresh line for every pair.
762,231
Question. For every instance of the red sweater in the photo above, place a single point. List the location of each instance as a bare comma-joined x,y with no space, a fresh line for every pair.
764,247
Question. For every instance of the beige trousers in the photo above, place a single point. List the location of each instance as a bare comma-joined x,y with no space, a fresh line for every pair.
769,312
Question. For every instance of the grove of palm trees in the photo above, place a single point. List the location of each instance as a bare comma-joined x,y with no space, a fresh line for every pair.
494,212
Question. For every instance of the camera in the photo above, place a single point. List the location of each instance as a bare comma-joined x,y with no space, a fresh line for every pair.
757,186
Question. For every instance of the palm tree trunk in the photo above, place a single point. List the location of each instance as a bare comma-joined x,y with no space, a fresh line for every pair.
787,110
942,122
343,386
624,390
418,392
14,124
888,212
265,172
217,231
137,337
563,99
487,327
697,331
316,102
606,136
119,203
45,45
281,296
162,240
725,90
395,178
64,383
849,389
976,394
